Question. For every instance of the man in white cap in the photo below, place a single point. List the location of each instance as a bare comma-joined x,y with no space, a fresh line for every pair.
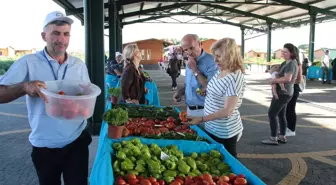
113,72
59,147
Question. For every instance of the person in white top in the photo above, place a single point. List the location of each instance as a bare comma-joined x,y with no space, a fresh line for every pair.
224,96
325,68
59,148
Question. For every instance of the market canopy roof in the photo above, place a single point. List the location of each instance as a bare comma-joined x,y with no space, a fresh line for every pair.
253,15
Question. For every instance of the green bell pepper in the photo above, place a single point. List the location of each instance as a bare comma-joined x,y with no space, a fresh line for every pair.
127,165
170,173
191,162
194,155
121,155
116,146
214,153
168,179
183,168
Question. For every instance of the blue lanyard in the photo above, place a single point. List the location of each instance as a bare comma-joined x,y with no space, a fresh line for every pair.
52,69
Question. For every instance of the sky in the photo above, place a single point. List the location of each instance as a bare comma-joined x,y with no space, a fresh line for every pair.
21,28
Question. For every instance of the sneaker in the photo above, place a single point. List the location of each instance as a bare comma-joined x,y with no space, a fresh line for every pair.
282,140
290,133
270,141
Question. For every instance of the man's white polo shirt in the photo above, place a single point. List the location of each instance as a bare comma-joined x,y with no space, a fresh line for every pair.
46,131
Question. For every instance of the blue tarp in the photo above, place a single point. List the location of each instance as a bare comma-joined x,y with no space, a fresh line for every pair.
315,72
102,172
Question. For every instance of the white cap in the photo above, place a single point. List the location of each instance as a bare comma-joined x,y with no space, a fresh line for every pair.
56,16
117,54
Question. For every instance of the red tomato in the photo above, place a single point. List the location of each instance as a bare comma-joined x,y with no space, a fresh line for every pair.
179,177
131,176
215,178
126,133
225,178
188,182
232,177
164,130
221,182
70,114
240,181
207,177
140,177
161,182
170,119
121,182
133,181
179,180
151,179
155,183
157,121
144,119
85,112
175,183
241,176
145,182
60,93
188,178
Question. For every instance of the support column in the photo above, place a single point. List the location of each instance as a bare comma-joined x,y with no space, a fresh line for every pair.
94,56
269,41
121,37
242,48
112,29
117,38
312,36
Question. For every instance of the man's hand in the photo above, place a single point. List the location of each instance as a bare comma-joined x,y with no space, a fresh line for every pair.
32,88
192,63
177,97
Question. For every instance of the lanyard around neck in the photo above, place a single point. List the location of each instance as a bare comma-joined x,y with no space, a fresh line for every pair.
52,69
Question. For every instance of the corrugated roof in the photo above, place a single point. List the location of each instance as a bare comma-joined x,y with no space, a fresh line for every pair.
249,14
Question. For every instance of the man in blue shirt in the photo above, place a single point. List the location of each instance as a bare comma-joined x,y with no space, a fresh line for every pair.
59,147
201,67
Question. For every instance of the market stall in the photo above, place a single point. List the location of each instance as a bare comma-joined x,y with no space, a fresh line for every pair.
315,72
112,165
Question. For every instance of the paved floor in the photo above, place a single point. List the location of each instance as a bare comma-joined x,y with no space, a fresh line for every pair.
308,158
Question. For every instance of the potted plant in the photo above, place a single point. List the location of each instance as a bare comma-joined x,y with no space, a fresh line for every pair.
114,93
116,119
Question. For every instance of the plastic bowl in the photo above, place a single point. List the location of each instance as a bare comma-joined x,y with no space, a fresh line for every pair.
77,103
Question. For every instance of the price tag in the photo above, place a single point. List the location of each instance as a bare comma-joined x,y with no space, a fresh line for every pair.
164,156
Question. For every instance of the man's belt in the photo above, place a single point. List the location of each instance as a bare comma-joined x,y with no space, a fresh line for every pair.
197,107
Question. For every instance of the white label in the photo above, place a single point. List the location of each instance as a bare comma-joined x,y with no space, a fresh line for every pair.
164,156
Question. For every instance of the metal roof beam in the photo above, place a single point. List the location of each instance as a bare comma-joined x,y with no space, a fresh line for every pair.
281,11
299,15
152,10
193,14
126,2
250,14
259,8
307,7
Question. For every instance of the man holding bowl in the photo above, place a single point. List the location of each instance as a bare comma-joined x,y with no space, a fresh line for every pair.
59,147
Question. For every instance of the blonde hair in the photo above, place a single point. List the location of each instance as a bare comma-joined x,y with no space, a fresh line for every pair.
129,52
228,54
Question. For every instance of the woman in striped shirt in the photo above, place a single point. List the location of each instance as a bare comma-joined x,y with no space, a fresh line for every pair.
224,96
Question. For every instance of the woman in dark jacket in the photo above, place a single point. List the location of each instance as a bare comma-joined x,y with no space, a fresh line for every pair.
133,80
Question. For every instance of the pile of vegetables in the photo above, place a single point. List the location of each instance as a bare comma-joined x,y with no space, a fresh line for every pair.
167,165
160,129
149,112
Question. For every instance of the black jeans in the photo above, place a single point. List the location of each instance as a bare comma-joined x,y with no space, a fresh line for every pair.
325,72
173,77
72,161
230,144
278,110
290,112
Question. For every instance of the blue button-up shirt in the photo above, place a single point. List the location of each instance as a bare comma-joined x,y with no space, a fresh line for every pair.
207,66
46,131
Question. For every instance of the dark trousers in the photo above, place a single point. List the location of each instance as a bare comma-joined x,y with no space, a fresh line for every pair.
230,144
72,161
290,112
277,111
173,77
325,72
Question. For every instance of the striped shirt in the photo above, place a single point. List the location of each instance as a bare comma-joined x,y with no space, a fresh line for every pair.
233,84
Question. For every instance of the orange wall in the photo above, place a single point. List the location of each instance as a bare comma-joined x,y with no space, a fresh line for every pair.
318,54
206,45
4,52
253,54
155,47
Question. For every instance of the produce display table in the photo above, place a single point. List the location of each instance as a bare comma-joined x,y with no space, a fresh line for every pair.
102,171
315,72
